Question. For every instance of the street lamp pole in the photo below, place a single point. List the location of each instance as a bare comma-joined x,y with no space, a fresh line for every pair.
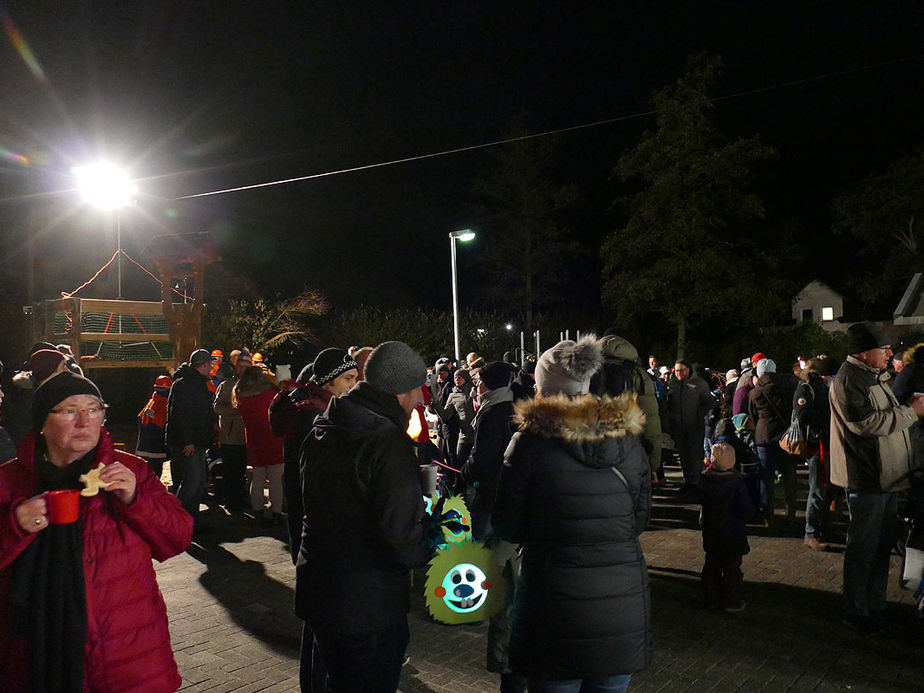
107,187
463,235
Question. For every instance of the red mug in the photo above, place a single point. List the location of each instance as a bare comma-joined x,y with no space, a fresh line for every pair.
62,506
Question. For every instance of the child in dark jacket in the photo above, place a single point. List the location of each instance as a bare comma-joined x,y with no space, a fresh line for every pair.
151,446
726,505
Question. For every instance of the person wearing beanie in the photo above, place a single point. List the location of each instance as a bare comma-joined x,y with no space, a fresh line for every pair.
688,402
726,508
576,493
291,415
86,587
190,429
460,402
447,427
492,428
335,370
871,460
523,385
770,408
621,373
365,524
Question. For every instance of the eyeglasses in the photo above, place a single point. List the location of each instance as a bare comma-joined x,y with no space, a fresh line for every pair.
94,413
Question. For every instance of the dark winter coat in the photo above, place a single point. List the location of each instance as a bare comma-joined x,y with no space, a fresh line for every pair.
523,386
493,429
128,644
190,417
365,524
726,508
688,402
905,384
811,409
582,604
770,406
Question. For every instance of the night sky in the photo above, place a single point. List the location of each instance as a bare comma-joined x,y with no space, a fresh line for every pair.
194,97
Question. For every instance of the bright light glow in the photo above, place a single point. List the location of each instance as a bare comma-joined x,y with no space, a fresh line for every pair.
827,313
104,185
463,235
509,327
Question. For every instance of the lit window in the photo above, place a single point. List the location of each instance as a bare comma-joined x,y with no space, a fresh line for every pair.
827,313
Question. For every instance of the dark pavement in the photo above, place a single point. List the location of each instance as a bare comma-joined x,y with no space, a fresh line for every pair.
230,596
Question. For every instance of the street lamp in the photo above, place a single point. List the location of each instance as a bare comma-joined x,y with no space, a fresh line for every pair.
463,235
107,187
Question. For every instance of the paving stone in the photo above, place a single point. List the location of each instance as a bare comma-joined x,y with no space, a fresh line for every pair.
229,600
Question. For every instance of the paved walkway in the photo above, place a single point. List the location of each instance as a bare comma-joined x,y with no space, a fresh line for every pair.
230,597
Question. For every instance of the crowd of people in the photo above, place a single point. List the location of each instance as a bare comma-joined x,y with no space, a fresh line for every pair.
556,457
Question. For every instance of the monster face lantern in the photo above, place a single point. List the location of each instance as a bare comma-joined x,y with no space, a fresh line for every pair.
464,583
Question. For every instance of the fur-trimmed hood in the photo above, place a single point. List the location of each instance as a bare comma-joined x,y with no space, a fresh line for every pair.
581,419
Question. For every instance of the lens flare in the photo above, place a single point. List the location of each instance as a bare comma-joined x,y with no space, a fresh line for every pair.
13,157
19,43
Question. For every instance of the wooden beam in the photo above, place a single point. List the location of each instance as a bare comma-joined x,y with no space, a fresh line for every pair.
96,305
93,364
124,337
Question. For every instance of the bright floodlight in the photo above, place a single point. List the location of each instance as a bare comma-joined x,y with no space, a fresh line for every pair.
509,327
104,185
462,235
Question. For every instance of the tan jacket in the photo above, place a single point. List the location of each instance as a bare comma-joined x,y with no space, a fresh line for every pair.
870,446
230,423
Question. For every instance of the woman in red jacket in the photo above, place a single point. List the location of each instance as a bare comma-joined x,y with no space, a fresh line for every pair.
252,395
80,608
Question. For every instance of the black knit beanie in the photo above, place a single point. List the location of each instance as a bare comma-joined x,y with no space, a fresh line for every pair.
494,375
331,363
54,391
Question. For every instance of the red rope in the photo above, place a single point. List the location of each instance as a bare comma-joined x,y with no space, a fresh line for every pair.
446,466
65,294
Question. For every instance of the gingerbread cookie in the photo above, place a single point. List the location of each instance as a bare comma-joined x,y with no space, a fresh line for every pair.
92,481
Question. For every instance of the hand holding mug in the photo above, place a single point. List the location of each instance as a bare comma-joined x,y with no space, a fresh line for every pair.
32,515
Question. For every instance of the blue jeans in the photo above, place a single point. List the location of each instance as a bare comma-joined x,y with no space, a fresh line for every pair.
368,662
819,498
773,459
870,536
194,473
607,684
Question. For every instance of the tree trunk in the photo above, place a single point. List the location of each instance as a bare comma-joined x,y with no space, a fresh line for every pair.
681,337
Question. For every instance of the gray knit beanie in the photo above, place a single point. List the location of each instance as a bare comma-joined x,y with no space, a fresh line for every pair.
766,366
395,368
567,367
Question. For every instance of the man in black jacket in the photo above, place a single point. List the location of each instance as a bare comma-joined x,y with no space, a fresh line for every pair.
365,524
190,429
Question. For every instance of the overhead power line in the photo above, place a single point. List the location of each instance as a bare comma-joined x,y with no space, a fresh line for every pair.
549,133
